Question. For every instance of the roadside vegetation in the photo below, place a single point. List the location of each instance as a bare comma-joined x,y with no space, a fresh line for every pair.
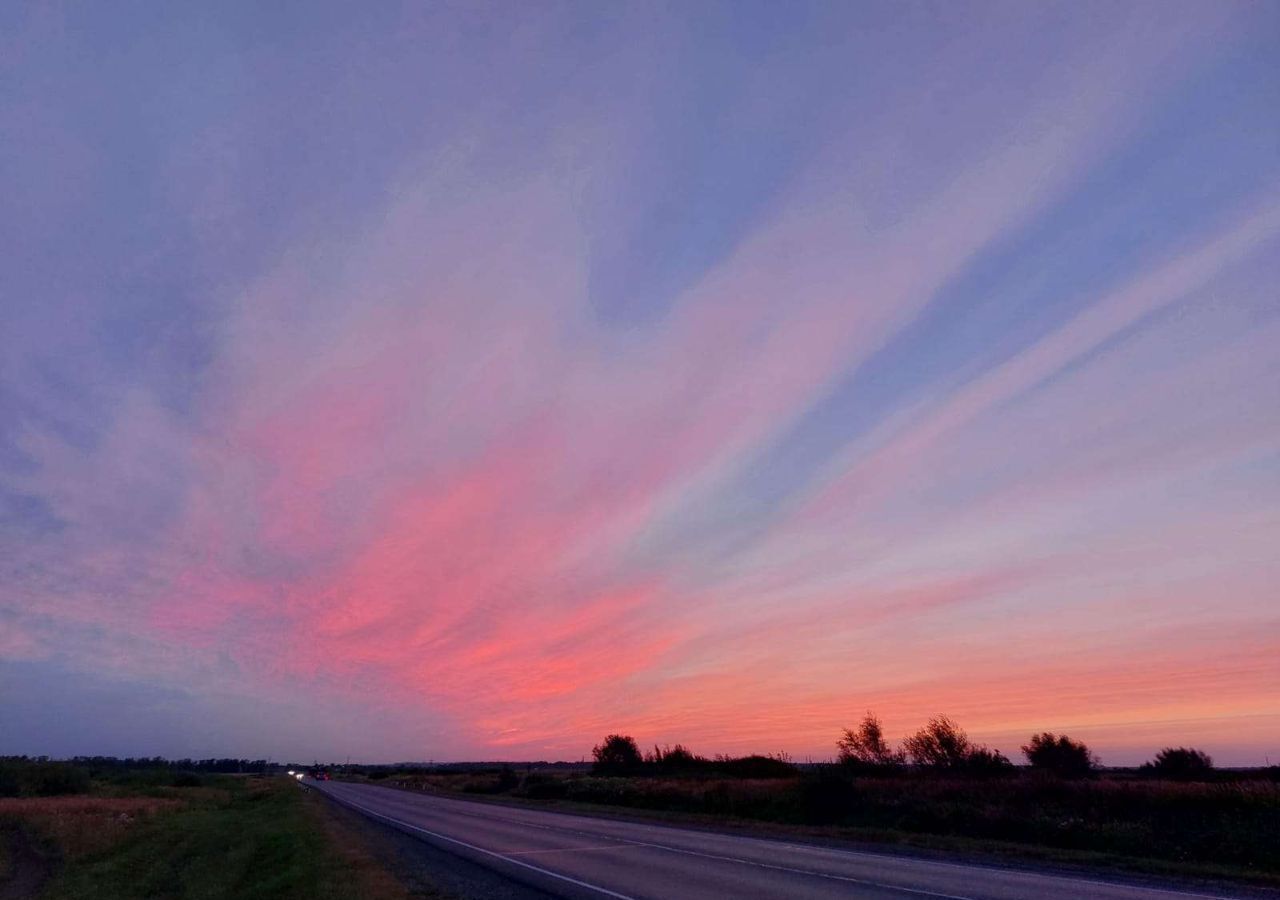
73,832
105,828
937,788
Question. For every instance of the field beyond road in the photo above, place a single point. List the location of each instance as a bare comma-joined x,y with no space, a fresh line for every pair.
214,836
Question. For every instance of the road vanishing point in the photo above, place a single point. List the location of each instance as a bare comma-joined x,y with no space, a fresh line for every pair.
576,856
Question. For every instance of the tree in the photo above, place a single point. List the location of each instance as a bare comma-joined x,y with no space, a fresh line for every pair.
942,744
1183,763
1059,755
618,755
866,747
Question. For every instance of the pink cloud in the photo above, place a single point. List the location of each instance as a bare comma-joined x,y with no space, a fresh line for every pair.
423,473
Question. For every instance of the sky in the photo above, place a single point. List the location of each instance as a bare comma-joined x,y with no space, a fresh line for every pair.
471,381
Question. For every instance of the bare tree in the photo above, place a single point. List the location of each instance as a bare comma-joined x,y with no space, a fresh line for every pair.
942,744
867,746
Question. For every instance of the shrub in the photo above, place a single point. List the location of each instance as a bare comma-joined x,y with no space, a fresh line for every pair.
866,747
543,787
612,791
618,755
717,799
756,766
10,782
1059,755
675,759
55,779
826,798
507,779
982,761
1181,763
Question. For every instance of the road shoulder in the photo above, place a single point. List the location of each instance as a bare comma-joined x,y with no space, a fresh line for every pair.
424,869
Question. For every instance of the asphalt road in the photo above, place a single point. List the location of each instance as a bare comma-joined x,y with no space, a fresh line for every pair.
579,856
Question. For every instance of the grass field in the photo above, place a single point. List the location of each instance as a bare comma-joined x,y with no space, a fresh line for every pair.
227,837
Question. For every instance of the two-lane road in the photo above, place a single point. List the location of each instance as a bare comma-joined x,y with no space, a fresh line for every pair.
580,856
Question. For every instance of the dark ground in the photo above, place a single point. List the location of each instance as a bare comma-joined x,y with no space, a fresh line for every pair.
28,868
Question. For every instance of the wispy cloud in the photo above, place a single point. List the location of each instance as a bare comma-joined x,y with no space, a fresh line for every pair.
712,375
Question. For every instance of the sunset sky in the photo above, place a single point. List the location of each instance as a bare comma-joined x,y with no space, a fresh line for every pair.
470,381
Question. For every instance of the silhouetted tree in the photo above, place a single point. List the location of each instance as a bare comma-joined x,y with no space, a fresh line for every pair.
618,755
1059,755
866,747
942,744
1182,763
981,761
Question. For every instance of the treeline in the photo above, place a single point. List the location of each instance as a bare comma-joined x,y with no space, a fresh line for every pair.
378,771
940,746
223,765
40,776
22,776
619,755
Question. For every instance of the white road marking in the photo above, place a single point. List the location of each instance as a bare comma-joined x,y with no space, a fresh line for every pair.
861,853
564,849
864,882
920,892
514,862
805,847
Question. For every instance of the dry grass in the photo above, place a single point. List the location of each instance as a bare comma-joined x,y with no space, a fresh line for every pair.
244,838
369,878
80,825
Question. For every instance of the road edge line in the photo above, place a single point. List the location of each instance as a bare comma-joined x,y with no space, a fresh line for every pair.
515,862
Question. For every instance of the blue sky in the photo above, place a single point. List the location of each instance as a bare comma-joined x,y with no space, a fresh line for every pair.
486,378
